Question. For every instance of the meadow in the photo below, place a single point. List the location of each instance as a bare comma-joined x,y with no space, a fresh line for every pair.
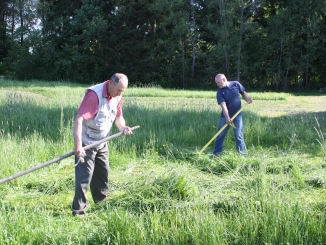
162,190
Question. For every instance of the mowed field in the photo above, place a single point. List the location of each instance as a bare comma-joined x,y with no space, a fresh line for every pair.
162,189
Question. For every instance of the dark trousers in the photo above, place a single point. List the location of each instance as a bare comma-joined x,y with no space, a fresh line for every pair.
93,173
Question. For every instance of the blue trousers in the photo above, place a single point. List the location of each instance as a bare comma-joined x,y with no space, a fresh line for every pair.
238,134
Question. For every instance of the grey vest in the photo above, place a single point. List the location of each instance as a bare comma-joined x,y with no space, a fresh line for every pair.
99,127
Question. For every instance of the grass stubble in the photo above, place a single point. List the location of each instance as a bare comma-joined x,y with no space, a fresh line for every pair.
162,191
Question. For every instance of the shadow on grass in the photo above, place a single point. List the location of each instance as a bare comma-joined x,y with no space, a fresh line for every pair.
174,132
169,131
22,117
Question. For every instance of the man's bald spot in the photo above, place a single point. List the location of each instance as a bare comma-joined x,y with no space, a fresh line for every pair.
220,76
120,77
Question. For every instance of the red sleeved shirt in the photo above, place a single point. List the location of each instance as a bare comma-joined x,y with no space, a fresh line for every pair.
89,106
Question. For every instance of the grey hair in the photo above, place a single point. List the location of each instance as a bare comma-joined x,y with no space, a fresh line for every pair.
117,77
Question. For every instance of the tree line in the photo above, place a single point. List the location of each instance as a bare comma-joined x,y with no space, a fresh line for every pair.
265,44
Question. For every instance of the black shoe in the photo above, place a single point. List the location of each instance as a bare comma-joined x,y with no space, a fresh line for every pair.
81,214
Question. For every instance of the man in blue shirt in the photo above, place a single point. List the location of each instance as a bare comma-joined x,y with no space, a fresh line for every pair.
229,99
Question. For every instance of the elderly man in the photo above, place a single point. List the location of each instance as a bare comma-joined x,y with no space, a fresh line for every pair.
229,99
101,106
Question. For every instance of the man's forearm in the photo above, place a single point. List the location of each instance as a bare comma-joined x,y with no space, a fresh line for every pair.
78,131
79,151
121,125
120,122
246,97
225,111
226,115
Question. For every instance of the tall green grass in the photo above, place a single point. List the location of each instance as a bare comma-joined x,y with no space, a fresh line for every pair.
162,190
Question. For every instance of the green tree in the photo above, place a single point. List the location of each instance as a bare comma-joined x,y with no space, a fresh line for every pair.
274,44
4,10
20,24
174,41
290,32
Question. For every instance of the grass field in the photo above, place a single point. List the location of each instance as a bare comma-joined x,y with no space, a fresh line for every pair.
162,190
